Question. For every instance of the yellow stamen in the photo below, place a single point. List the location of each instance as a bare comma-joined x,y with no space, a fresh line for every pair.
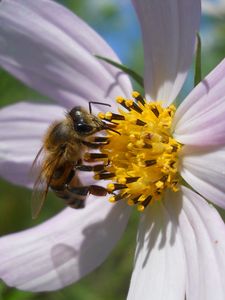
143,159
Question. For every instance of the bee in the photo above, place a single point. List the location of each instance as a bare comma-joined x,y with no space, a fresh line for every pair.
63,146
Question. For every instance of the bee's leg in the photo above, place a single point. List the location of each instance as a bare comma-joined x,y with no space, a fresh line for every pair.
74,201
73,197
87,168
79,194
70,176
98,139
93,145
92,157
95,190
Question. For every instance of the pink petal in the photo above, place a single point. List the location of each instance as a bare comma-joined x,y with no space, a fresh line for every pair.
55,55
203,232
200,119
22,127
169,29
63,249
159,270
204,170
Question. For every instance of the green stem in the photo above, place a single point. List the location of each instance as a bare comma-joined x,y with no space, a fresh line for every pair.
125,69
198,62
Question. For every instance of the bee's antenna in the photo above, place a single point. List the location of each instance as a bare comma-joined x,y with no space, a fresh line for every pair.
93,102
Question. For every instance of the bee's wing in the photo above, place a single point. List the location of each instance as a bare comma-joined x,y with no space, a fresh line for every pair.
39,194
41,185
36,160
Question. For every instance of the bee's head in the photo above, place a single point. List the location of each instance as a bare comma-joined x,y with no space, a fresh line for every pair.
85,123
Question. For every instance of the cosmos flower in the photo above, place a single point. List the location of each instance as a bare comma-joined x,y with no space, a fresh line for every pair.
180,243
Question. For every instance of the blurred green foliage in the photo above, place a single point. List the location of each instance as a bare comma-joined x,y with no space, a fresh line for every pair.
13,90
111,280
214,43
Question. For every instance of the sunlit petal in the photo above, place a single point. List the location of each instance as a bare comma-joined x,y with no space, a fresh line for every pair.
202,231
159,270
169,29
200,119
204,170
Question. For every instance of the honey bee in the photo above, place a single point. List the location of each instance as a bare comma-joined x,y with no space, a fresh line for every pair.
63,146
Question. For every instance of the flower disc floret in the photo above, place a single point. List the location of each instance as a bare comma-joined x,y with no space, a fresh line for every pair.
142,157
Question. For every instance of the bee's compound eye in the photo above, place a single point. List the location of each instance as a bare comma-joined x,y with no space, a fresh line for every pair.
84,128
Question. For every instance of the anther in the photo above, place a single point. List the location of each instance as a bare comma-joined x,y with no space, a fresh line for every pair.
150,162
135,199
164,178
122,102
147,146
144,203
100,176
131,179
111,187
118,197
134,106
140,123
147,201
174,148
137,96
97,190
172,163
155,111
174,186
169,113
111,116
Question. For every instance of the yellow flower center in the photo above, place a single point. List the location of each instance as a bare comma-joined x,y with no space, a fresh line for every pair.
142,160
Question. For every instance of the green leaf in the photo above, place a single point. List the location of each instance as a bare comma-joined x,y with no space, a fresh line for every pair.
125,69
198,61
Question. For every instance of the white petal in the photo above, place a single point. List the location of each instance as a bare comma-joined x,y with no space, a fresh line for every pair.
22,127
168,29
159,270
52,50
63,249
203,236
200,119
204,170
